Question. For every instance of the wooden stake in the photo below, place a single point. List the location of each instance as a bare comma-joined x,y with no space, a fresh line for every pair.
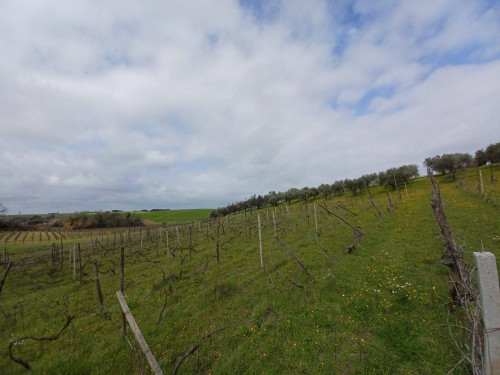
481,186
397,188
98,285
316,219
274,223
248,224
62,253
217,242
190,237
260,243
80,261
138,335
122,287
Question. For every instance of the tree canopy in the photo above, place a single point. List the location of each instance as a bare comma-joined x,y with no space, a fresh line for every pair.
355,186
492,153
449,163
395,176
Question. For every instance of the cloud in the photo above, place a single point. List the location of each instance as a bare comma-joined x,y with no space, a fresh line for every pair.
142,105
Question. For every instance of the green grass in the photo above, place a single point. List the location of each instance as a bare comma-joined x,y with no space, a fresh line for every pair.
384,309
175,216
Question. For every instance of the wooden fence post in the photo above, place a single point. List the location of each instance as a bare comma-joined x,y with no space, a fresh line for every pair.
316,219
274,223
138,335
62,253
122,287
98,284
481,185
490,306
260,243
217,243
80,262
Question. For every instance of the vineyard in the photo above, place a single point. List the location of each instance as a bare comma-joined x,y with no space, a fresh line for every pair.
347,285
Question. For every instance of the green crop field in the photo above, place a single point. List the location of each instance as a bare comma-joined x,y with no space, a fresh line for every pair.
384,308
175,216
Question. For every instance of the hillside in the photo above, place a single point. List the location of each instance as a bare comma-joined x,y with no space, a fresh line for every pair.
175,216
384,308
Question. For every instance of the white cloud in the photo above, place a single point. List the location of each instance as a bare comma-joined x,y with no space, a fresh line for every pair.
132,105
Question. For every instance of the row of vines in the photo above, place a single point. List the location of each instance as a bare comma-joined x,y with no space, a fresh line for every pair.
270,290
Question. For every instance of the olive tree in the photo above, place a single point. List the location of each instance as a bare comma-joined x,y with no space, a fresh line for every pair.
395,176
493,153
449,163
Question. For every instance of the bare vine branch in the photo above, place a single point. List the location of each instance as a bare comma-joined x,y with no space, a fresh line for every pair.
195,347
5,276
304,267
50,338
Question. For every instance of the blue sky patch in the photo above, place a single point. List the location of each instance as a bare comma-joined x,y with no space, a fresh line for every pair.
262,11
362,107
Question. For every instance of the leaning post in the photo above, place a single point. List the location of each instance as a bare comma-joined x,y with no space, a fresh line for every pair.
138,335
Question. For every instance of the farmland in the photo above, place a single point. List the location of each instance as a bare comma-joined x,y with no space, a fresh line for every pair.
175,216
312,308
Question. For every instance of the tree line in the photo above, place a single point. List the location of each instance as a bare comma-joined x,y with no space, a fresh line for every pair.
452,163
391,178
78,220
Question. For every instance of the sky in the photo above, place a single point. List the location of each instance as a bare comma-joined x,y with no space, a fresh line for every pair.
143,104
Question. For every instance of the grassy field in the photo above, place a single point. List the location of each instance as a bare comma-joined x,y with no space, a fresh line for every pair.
383,309
175,216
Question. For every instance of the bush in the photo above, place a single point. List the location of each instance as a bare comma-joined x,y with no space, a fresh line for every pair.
107,219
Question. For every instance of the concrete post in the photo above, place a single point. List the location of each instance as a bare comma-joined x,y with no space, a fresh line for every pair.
490,306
